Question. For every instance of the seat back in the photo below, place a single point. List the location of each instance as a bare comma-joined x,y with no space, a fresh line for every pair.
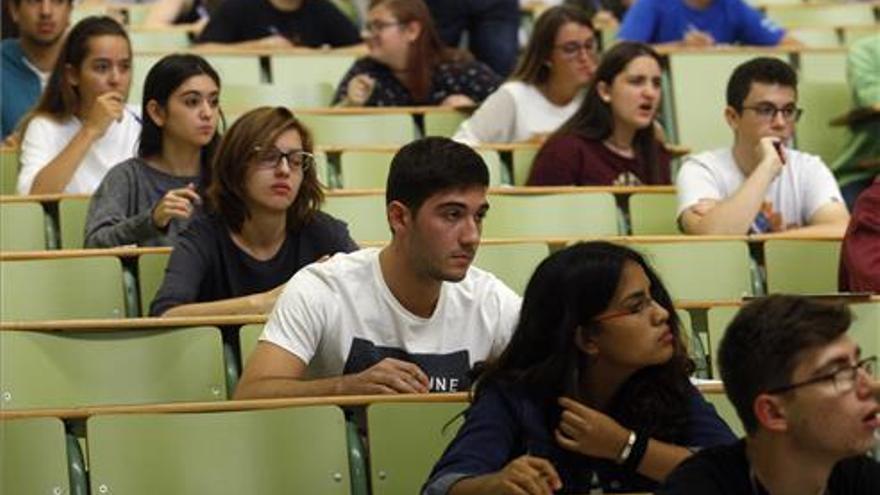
653,214
72,216
248,337
718,318
151,272
443,123
821,101
522,161
801,266
379,129
824,14
8,170
22,227
33,456
310,69
512,263
73,369
365,215
365,169
237,99
406,440
294,450
52,289
551,215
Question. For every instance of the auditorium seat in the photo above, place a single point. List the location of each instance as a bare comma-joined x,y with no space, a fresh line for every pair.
34,458
150,273
22,227
8,170
801,266
72,215
653,214
365,215
512,263
576,214
248,337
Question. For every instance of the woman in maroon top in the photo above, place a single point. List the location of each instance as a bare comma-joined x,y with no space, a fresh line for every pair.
611,139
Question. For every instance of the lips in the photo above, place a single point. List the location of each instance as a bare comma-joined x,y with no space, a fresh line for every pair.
666,337
872,419
281,188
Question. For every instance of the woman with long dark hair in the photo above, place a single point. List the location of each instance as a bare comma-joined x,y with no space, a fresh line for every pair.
148,199
261,226
409,65
593,389
81,126
547,87
612,138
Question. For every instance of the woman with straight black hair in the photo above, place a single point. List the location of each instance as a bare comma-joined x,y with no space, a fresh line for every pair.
613,137
592,391
148,199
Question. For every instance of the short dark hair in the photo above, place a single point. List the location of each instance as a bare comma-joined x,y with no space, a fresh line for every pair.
760,348
427,166
767,70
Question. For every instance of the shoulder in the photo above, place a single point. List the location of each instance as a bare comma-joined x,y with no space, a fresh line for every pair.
569,141
717,159
483,287
721,469
203,230
855,475
323,224
128,171
802,160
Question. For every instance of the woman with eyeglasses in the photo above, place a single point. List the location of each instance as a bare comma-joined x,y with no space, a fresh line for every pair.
593,390
148,199
409,65
612,139
262,222
547,87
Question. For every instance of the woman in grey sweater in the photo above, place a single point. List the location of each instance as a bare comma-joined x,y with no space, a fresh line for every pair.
148,199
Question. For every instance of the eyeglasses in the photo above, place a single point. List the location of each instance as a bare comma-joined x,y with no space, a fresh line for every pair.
844,379
572,49
270,158
374,27
768,112
636,308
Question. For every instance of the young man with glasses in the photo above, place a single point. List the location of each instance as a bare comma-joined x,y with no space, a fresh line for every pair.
808,400
760,185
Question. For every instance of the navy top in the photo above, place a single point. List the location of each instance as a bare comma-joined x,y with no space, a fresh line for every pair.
472,79
508,422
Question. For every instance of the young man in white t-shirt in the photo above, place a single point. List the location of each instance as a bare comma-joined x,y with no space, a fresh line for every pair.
412,317
760,185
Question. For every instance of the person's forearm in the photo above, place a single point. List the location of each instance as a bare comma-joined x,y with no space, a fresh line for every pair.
132,230
661,459
735,214
273,388
244,305
819,230
54,177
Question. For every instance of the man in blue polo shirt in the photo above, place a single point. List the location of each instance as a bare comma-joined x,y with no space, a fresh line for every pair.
700,23
28,59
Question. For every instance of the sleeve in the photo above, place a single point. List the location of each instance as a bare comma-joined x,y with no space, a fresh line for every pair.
707,429
108,223
184,274
557,163
695,182
509,304
818,187
338,29
299,319
755,29
221,27
493,122
480,81
342,88
39,146
484,444
639,22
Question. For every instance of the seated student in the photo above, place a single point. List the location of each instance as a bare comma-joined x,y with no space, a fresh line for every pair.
760,185
279,24
408,64
611,139
148,199
193,12
263,222
593,387
804,394
81,126
700,23
860,251
412,317
547,87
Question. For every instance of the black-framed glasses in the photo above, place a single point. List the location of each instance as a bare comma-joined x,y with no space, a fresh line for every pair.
270,158
843,379
768,112
572,49
374,27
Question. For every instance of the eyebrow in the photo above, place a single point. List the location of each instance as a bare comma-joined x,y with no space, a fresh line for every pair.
640,294
766,102
199,93
836,362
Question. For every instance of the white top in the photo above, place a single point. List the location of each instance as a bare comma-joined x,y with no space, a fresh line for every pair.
44,139
340,317
803,186
516,111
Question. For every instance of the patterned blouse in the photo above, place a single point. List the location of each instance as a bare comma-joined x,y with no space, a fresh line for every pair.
473,79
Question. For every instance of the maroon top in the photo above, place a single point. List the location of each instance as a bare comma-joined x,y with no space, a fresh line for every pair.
570,159
860,251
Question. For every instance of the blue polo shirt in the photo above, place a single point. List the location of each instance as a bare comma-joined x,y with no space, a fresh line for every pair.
19,83
728,21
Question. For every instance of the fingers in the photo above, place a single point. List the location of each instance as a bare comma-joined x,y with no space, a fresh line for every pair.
546,470
188,193
532,476
401,376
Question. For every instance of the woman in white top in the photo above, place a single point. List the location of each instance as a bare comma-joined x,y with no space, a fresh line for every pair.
81,125
547,86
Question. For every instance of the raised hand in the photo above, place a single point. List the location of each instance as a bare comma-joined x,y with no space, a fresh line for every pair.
589,432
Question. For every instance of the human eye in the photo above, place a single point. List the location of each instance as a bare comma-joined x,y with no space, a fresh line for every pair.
214,101
191,100
765,110
125,65
100,66
453,214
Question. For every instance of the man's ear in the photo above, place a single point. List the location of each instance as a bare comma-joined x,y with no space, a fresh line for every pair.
771,413
732,117
399,216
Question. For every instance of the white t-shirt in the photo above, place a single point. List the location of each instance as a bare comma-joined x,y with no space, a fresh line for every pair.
803,186
516,111
340,317
44,138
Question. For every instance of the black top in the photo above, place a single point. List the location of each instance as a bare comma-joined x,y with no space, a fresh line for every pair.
315,23
473,79
725,471
206,265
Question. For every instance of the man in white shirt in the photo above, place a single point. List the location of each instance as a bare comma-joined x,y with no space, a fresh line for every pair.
412,317
760,185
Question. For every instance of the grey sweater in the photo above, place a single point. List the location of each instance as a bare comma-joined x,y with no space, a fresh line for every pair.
121,210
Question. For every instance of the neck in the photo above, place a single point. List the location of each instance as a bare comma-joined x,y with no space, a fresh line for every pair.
601,381
621,139
262,234
560,92
286,5
416,292
745,157
41,56
784,468
179,159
